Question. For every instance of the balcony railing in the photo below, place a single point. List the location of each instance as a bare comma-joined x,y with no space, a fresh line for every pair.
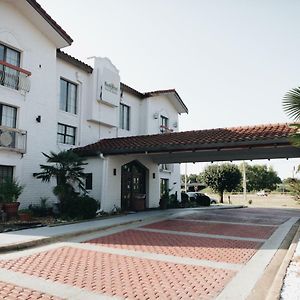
13,139
165,129
14,77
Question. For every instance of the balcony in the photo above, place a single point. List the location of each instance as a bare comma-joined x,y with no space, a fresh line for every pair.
165,129
13,139
14,77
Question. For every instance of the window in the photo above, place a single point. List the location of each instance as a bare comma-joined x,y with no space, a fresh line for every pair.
66,134
124,116
8,76
164,124
68,96
164,186
89,181
164,167
6,172
8,116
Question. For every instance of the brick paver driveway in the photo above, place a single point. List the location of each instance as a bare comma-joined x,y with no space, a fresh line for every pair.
200,255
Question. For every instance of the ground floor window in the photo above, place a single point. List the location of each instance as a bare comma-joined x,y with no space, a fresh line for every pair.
6,173
66,134
89,181
164,186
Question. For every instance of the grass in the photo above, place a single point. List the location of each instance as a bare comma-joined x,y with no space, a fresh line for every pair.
272,200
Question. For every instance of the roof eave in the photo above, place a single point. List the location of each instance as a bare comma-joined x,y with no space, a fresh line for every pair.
62,38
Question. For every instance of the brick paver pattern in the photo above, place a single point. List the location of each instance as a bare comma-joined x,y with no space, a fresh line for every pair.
258,232
220,250
123,276
12,292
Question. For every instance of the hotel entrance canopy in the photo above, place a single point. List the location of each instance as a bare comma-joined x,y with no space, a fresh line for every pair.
220,144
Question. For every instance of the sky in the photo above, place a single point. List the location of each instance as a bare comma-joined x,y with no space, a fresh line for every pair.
231,61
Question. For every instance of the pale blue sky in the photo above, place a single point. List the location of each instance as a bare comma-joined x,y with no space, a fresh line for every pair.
230,60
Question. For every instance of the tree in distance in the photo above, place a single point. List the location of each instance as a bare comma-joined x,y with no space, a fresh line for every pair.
221,178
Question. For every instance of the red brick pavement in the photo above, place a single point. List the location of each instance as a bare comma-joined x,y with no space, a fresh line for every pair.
259,232
123,276
220,250
12,292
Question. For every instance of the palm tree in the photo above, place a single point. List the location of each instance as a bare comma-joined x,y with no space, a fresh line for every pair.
291,105
67,168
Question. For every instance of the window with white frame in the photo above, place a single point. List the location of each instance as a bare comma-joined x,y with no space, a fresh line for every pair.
6,173
164,186
164,124
8,76
124,116
8,116
66,134
68,96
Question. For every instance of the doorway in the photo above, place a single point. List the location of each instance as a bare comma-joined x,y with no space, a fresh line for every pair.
133,185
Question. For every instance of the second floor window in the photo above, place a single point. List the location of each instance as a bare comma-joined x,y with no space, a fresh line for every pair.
68,96
164,124
124,116
8,116
66,134
8,76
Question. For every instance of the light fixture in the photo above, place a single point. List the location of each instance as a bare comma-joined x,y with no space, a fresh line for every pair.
155,115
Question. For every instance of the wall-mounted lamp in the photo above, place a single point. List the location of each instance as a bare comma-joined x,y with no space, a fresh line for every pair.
153,175
115,172
38,119
155,115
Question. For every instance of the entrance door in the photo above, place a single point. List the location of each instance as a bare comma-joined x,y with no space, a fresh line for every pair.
133,184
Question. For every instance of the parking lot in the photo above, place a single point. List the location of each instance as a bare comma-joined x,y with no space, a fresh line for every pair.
199,255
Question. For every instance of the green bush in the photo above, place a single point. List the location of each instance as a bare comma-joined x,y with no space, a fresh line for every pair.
173,201
80,207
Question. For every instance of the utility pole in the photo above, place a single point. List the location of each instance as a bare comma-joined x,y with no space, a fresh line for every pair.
244,182
185,178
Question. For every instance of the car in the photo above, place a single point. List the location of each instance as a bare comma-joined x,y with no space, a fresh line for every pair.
196,196
262,193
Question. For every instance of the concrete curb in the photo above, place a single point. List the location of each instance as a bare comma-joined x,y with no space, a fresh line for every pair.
275,290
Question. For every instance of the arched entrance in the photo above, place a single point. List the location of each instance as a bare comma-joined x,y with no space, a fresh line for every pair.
133,186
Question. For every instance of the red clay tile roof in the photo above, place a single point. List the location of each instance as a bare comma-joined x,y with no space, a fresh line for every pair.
74,61
47,17
272,134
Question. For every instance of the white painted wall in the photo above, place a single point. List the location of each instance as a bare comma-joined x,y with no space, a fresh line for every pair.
112,184
161,106
38,55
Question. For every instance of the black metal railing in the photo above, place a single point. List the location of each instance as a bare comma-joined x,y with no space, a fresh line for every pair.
14,77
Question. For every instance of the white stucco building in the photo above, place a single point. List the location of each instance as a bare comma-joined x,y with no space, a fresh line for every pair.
50,101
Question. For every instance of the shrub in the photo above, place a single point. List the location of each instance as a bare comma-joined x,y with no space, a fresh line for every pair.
80,207
173,202
42,210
